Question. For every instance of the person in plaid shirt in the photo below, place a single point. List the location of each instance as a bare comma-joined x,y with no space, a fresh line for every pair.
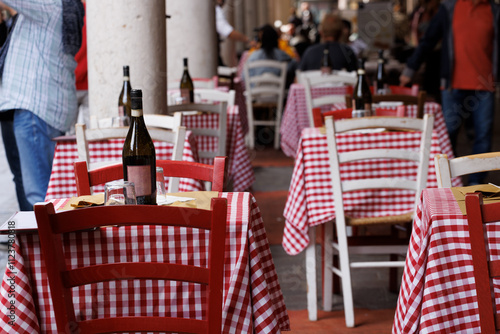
37,83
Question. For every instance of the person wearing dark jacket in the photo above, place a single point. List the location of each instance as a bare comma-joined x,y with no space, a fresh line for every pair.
469,31
341,55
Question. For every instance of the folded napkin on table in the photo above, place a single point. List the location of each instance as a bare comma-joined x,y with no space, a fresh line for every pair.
84,201
190,199
491,193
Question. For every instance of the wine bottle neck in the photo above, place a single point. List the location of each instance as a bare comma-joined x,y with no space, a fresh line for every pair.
126,78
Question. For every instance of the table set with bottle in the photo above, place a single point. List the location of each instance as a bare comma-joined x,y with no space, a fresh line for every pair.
296,119
252,299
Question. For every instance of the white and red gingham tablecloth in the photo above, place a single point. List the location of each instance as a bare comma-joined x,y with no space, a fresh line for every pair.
239,167
62,182
295,117
310,198
438,290
253,302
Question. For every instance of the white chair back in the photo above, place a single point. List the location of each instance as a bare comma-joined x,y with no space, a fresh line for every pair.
447,169
335,80
265,90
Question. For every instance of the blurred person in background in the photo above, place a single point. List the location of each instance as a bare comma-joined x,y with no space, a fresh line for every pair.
225,30
355,43
269,50
7,120
37,69
341,55
470,37
81,77
420,20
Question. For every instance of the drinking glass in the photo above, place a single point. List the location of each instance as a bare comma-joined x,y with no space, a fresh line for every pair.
160,185
119,193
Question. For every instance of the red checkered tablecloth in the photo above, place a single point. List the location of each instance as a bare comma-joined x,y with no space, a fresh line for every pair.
295,118
253,302
239,166
62,182
438,290
310,197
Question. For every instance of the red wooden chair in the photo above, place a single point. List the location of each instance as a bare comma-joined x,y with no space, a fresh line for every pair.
319,117
52,225
399,111
413,90
85,179
478,215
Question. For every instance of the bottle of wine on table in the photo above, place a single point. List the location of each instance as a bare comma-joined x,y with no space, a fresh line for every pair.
124,106
186,87
326,63
362,97
139,158
381,87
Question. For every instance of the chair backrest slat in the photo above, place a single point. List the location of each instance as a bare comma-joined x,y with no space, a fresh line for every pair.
85,179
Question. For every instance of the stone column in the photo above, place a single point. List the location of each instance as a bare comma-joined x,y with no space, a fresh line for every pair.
125,32
250,17
191,33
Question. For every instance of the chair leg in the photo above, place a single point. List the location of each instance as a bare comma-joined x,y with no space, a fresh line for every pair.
277,130
327,266
345,272
312,297
393,275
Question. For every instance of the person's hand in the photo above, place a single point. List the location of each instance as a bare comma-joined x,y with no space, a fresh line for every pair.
252,43
404,80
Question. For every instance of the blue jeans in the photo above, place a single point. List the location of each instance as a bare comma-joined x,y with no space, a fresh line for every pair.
476,109
12,153
36,152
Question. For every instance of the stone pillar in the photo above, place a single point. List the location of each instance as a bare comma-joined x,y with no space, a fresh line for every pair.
239,22
125,32
191,33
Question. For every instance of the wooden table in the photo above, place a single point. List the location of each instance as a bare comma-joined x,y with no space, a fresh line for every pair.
253,302
438,291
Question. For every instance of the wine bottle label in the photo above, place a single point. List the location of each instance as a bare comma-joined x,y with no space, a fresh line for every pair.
141,176
185,95
136,112
361,71
121,111
325,70
361,113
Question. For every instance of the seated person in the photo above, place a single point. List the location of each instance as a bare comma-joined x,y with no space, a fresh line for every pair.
269,50
341,55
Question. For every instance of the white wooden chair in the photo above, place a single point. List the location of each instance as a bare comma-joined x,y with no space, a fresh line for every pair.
264,91
197,83
339,245
215,95
220,132
84,136
311,82
477,163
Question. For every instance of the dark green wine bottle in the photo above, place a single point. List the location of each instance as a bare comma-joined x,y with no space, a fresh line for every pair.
326,63
362,97
380,80
124,106
139,157
187,87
